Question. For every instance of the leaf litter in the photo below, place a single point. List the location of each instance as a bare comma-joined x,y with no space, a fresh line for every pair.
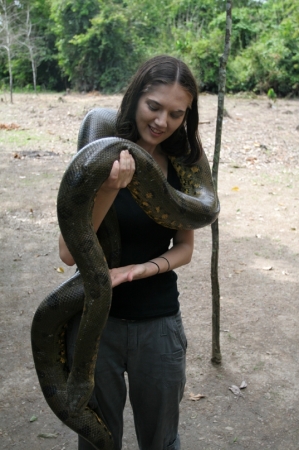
195,397
237,390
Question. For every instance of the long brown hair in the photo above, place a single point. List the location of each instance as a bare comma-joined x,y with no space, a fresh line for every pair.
185,141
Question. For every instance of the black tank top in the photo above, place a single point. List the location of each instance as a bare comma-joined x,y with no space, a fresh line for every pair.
143,239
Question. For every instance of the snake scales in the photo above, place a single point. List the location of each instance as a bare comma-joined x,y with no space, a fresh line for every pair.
68,393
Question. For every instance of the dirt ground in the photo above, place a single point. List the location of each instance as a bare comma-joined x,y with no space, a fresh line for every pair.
258,272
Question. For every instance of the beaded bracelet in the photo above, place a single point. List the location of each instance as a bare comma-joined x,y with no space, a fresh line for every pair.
166,261
156,265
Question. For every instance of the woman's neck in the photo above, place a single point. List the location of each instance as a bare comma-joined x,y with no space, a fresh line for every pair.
161,158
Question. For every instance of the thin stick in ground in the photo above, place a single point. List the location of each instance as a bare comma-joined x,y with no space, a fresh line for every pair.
216,353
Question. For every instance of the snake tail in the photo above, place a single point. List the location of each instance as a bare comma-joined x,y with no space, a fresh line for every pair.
49,354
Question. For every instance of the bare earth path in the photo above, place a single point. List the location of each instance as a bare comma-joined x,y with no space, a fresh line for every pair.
259,262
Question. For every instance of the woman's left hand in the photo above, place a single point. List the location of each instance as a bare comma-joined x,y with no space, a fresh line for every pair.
132,272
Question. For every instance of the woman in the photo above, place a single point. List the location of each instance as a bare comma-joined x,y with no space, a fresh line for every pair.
144,335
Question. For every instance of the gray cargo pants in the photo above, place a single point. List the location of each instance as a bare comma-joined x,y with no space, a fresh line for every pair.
152,352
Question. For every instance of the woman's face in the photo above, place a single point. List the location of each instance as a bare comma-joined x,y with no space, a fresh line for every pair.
160,111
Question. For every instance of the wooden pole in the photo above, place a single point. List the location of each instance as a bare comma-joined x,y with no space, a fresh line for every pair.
216,353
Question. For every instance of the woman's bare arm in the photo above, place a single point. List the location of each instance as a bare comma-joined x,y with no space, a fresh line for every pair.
178,255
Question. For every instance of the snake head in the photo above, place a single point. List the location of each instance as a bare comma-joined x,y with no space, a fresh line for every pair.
78,393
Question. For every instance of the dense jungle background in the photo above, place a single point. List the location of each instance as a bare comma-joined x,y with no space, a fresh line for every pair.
90,45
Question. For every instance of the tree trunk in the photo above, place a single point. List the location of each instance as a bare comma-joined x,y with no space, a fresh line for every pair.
33,66
10,76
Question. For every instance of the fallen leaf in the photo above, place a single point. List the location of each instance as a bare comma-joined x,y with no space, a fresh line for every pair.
60,269
235,188
9,126
33,419
47,435
196,397
235,390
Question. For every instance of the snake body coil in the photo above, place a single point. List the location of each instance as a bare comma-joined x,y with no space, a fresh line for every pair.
90,289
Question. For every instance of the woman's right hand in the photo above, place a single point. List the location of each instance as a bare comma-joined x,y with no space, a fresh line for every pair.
120,176
121,173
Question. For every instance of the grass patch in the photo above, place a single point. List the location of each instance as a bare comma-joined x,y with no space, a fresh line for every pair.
259,365
19,137
24,138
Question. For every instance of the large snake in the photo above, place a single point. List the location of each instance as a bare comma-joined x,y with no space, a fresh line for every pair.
68,392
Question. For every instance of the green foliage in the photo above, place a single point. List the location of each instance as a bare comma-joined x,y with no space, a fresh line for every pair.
246,28
271,94
43,41
105,52
204,59
271,59
97,44
70,17
49,75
